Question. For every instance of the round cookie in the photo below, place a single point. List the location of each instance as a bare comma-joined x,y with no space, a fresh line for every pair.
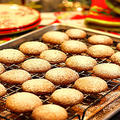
2,90
67,96
100,39
11,56
118,46
116,58
107,70
36,65
53,56
100,51
91,84
55,37
49,112
38,86
22,102
80,63
2,68
73,46
15,76
76,33
33,47
61,76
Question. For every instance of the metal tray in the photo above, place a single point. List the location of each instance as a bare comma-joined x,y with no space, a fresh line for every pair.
99,108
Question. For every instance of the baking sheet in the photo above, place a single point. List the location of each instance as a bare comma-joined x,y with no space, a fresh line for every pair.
112,97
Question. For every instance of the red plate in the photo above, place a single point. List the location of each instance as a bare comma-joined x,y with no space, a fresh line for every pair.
14,16
18,30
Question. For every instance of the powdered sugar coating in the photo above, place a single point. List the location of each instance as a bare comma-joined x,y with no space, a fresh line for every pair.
55,37
11,56
107,70
22,102
100,39
2,90
76,33
80,63
49,112
2,68
61,76
53,56
15,76
67,96
33,47
116,58
73,46
91,84
100,51
36,65
38,86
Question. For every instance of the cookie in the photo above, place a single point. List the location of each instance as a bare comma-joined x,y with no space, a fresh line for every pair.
67,96
53,56
38,86
76,33
49,112
22,102
100,51
2,68
36,65
2,90
91,84
55,37
80,63
61,76
116,58
33,47
100,39
107,70
73,46
15,76
11,56
118,46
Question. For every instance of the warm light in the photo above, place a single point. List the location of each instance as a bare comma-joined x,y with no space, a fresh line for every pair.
13,7
79,9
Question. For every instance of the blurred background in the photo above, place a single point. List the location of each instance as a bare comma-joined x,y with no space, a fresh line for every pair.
53,5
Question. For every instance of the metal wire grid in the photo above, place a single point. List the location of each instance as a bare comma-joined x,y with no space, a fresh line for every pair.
89,99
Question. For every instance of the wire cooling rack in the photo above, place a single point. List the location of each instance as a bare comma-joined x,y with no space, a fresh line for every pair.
89,99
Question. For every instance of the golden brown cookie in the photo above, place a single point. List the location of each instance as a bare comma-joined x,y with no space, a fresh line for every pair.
36,65
116,58
107,70
76,33
100,39
49,112
91,84
55,37
80,63
53,56
11,56
15,76
22,102
100,51
61,76
2,68
118,46
33,47
38,86
2,90
67,96
73,46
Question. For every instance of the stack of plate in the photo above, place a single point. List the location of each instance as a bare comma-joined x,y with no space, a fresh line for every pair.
16,18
